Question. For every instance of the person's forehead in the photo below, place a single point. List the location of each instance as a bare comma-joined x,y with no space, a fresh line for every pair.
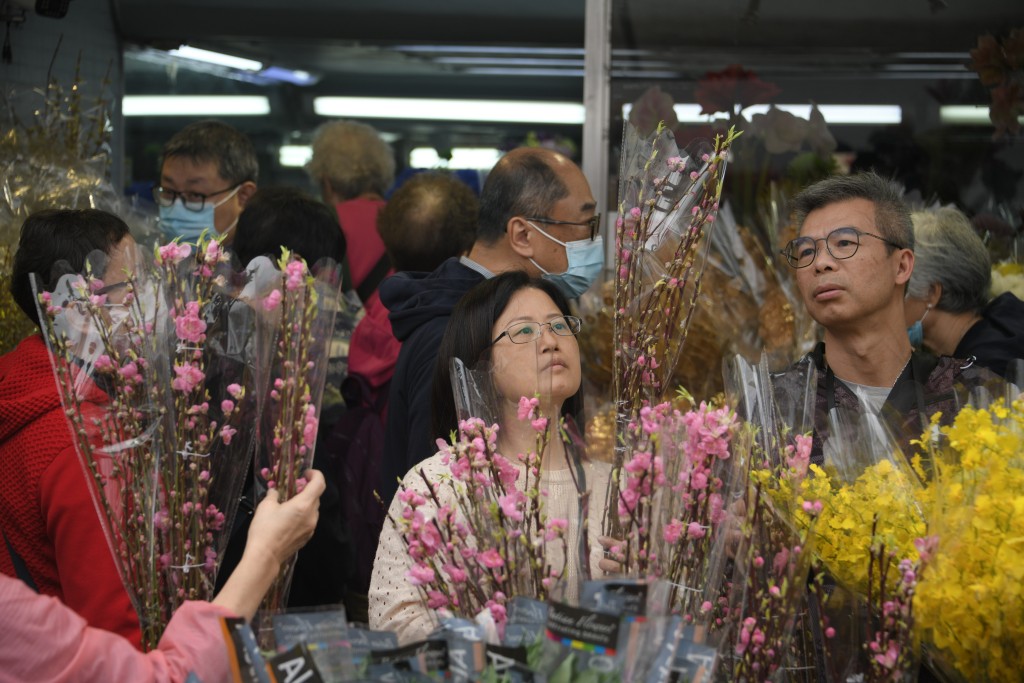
190,172
528,304
580,197
855,213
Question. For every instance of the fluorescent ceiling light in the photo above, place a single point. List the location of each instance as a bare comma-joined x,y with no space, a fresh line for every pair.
195,105
835,114
294,155
967,115
841,114
186,52
449,110
299,155
484,49
476,158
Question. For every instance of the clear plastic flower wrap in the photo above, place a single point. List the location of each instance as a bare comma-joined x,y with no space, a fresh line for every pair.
861,511
55,154
759,609
157,400
673,495
299,306
668,200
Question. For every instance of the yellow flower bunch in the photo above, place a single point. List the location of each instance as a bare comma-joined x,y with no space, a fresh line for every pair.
843,531
970,601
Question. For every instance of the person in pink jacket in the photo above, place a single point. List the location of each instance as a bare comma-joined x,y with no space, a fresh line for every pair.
43,640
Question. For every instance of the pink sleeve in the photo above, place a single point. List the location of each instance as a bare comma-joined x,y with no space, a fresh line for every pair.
90,583
45,641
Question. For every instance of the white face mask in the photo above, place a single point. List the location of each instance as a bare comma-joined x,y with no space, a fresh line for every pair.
585,260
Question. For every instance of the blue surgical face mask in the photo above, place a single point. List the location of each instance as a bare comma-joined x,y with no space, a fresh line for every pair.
585,260
916,331
177,221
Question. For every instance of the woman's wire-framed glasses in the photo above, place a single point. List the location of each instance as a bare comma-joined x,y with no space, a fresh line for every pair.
525,331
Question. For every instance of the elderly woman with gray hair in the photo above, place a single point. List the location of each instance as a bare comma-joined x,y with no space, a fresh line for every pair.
947,305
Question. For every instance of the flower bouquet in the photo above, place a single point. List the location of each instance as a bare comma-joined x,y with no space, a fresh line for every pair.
155,398
861,510
299,306
761,613
673,497
668,200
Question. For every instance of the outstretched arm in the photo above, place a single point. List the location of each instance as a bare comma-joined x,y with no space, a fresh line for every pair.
277,532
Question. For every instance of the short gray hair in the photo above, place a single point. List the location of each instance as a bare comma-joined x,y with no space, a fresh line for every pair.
352,158
892,217
522,183
950,253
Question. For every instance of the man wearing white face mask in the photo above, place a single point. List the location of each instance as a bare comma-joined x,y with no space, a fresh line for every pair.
207,175
538,215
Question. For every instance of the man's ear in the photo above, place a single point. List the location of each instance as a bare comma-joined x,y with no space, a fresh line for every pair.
519,237
905,266
934,293
245,192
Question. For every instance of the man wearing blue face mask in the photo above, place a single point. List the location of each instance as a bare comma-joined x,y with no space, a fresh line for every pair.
207,175
538,215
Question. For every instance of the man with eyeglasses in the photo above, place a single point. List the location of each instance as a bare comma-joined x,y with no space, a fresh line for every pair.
538,215
207,174
852,259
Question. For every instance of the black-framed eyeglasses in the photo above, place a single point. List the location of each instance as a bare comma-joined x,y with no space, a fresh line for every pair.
525,331
593,223
842,243
193,201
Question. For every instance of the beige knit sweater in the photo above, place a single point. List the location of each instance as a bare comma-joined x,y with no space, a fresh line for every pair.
397,605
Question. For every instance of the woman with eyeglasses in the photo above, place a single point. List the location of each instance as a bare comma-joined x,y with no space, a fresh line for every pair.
523,330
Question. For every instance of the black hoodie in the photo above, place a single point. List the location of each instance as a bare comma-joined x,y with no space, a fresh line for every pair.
998,337
420,305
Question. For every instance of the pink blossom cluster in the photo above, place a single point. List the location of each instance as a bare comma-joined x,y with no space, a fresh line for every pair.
890,649
188,325
474,460
798,458
173,253
469,555
669,495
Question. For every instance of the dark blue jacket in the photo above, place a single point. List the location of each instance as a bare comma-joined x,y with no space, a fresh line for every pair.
420,305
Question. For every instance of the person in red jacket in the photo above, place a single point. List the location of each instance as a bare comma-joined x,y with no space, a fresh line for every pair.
53,537
45,641
353,167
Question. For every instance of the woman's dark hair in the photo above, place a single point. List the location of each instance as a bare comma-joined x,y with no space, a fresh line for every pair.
55,235
276,217
468,337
